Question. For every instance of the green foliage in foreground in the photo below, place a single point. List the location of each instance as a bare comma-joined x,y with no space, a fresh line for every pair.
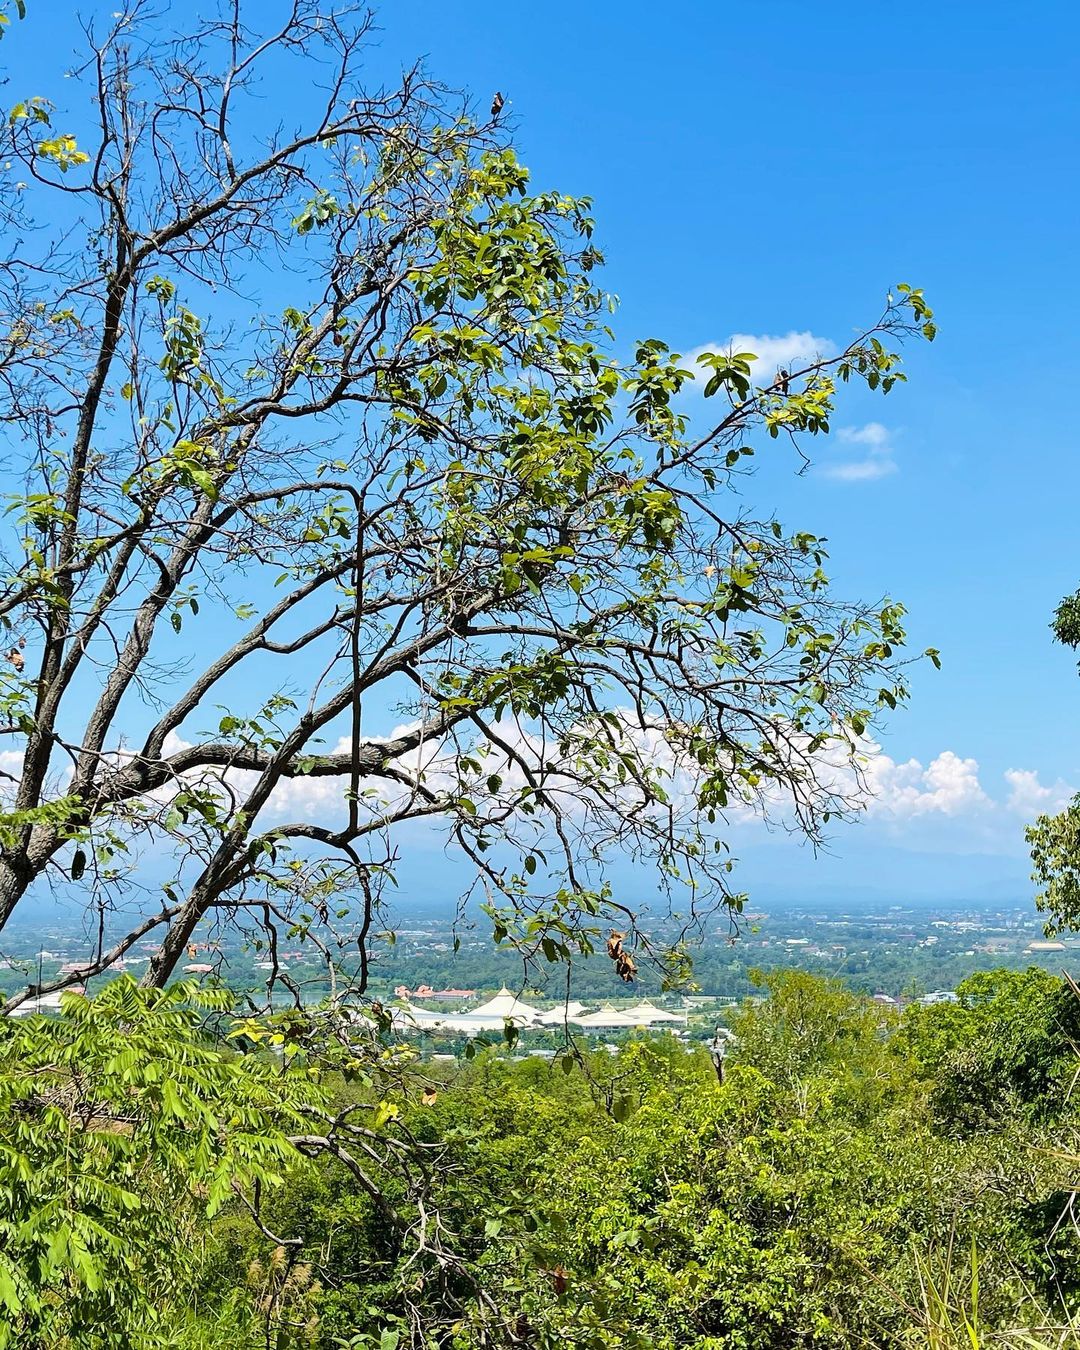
858,1179
1054,838
125,1130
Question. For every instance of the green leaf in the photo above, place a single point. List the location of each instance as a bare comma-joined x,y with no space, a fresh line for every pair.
621,1108
9,1293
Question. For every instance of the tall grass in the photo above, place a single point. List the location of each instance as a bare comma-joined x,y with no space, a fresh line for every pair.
948,1311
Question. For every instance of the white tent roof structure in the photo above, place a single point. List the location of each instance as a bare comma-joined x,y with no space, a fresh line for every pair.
606,1017
408,1016
411,1018
645,1013
565,1012
493,1015
507,1005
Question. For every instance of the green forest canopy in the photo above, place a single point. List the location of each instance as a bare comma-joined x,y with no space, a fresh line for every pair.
859,1178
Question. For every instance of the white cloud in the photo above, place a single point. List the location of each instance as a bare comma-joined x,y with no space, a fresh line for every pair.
324,798
1029,797
872,434
859,471
863,453
791,351
877,459
944,805
941,805
11,763
948,785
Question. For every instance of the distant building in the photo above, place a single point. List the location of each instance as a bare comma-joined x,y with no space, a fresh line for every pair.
79,967
507,1007
647,1014
608,1018
558,1016
426,991
44,1002
490,1016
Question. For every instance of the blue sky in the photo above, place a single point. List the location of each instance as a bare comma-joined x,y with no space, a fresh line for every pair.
774,169
764,169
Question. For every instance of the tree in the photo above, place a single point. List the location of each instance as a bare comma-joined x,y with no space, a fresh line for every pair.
316,423
125,1127
808,1028
807,1200
142,1127
1054,838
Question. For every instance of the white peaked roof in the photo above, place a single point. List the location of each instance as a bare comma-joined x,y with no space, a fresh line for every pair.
606,1017
411,1018
408,1016
565,1012
645,1013
507,1005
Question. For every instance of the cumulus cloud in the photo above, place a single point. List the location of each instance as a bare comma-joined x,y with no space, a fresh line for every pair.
1029,797
948,785
941,804
10,770
872,447
790,351
946,806
324,798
